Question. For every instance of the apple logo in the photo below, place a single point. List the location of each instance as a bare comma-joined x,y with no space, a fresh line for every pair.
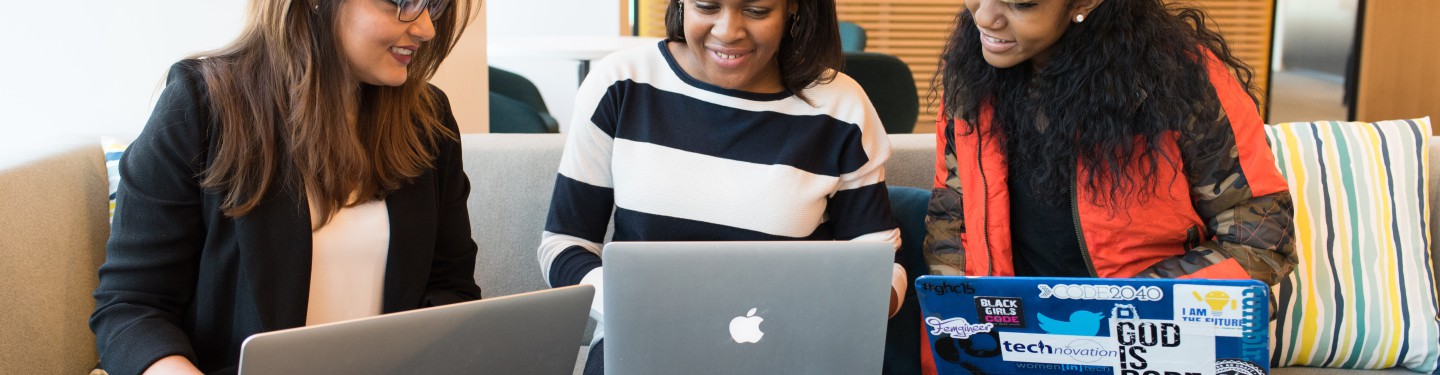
746,328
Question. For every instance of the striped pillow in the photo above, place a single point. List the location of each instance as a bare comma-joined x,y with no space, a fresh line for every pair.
1363,295
114,149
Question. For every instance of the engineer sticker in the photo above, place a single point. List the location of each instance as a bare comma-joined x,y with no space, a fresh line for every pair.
957,328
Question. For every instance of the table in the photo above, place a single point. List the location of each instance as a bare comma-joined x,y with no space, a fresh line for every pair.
580,48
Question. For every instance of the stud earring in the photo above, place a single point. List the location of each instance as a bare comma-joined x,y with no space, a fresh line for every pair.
1079,18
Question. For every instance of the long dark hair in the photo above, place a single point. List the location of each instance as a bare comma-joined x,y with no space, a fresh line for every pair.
281,97
809,52
1112,89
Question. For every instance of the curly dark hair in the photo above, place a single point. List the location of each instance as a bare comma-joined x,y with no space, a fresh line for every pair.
1112,89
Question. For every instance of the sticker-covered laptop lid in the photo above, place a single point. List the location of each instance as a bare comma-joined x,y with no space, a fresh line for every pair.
1078,326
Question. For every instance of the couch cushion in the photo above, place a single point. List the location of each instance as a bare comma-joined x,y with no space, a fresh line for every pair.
52,211
511,178
1363,295
912,161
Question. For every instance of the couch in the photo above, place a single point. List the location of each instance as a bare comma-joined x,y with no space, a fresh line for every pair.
53,226
53,211
512,175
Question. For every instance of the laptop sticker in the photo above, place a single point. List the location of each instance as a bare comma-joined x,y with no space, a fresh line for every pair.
1164,347
1001,311
945,287
1102,292
1068,326
1216,305
956,327
1081,323
1237,367
1059,349
1124,311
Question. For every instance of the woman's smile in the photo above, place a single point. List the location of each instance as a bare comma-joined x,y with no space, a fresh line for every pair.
996,45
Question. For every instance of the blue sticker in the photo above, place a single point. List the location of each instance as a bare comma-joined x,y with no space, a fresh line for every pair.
1081,323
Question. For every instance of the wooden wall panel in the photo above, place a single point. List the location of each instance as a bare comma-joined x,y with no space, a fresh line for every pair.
1398,50
651,17
915,31
1249,28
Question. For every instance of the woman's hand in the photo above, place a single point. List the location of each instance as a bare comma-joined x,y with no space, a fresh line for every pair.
173,365
894,303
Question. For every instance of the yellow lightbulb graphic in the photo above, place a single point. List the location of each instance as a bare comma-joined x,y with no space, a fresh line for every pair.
1216,299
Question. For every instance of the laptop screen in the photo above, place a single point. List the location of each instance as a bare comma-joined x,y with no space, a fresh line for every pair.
1037,325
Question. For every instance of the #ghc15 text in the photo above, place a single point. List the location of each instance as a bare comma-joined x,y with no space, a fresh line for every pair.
944,288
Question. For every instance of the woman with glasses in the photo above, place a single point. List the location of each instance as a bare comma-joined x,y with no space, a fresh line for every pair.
1101,138
307,173
736,127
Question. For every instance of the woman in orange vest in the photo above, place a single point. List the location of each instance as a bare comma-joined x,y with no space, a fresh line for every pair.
1101,138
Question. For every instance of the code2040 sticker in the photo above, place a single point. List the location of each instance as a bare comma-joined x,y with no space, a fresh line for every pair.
1102,292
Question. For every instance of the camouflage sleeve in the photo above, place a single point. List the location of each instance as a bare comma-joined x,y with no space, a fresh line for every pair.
1255,231
944,216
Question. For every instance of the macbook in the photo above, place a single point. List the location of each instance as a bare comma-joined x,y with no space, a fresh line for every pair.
1077,326
531,333
746,307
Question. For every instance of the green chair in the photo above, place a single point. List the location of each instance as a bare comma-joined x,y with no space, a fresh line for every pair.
890,86
515,87
852,37
512,116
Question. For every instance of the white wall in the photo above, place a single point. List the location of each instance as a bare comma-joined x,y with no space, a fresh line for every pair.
1315,35
556,79
95,68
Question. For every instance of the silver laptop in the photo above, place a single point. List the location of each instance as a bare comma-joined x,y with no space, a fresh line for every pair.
530,333
746,307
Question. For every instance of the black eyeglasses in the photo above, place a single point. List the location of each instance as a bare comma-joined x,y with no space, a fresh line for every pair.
410,10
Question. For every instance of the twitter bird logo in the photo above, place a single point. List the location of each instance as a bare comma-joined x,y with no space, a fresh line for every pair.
1082,323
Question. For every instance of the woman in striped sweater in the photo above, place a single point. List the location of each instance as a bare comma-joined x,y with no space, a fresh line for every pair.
737,127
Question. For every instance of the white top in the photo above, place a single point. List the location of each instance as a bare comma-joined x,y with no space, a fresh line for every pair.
347,269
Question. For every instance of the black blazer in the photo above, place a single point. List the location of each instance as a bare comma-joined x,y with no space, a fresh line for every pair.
180,278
